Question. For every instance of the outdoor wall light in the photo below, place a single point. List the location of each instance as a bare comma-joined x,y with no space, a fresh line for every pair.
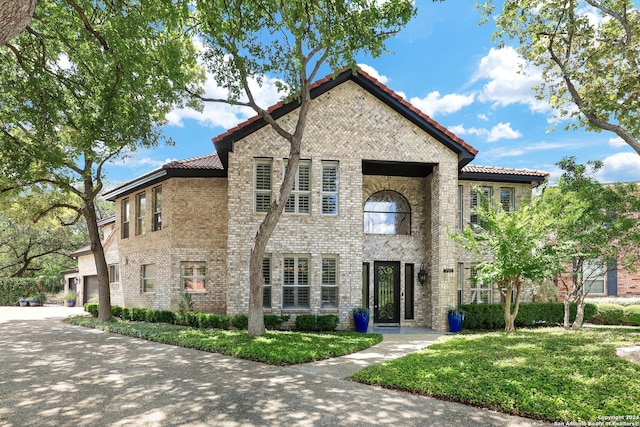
422,275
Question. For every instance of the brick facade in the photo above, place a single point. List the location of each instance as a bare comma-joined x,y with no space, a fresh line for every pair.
380,143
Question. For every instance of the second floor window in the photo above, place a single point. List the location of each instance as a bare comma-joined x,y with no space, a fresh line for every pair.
507,200
262,185
300,199
157,208
387,212
141,212
126,217
476,200
330,188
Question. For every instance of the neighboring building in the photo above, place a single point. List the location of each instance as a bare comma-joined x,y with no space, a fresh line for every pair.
378,189
84,279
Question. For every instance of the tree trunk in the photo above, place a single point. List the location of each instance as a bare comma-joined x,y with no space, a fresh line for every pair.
577,323
102,270
567,310
15,16
268,224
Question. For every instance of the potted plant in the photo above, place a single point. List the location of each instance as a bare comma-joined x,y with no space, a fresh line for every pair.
69,298
456,319
37,299
360,318
24,302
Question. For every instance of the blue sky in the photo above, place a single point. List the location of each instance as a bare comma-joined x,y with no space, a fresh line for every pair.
446,65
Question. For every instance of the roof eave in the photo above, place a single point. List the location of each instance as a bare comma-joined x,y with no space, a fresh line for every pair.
534,180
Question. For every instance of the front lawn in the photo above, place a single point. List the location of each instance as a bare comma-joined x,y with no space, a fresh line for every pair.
274,348
549,374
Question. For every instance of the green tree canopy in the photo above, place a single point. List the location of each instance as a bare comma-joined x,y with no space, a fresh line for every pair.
86,83
589,51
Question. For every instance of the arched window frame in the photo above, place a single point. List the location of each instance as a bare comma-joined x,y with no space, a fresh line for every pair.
387,212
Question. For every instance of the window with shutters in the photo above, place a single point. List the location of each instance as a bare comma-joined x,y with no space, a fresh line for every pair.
507,200
329,282
266,282
295,282
300,200
476,200
262,185
329,188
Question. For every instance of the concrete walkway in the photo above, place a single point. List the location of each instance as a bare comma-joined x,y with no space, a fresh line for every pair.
55,374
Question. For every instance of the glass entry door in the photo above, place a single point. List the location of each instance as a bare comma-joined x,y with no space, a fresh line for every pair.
386,290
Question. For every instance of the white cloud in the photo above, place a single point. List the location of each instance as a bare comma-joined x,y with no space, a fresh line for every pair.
132,161
483,117
434,103
510,80
496,133
617,142
620,167
374,73
225,115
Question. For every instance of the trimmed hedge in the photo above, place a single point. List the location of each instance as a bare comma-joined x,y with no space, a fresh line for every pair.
12,289
490,316
240,321
273,321
614,314
313,322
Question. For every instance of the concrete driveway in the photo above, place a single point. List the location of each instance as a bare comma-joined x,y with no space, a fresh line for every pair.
55,374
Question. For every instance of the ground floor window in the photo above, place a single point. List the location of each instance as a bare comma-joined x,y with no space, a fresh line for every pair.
365,284
295,284
329,282
480,292
408,291
266,282
193,275
148,277
114,273
594,274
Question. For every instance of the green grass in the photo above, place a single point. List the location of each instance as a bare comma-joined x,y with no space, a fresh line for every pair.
274,348
549,374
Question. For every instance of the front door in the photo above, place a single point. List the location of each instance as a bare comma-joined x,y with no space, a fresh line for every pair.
386,288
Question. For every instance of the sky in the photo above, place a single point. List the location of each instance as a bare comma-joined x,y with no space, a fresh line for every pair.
446,65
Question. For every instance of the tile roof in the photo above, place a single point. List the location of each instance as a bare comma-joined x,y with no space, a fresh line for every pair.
360,74
502,171
208,161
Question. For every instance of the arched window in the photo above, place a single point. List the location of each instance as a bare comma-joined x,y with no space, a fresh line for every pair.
387,212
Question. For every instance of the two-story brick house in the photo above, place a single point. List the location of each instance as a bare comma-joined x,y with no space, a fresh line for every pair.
378,189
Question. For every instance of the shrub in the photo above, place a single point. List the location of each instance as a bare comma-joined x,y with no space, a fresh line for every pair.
273,321
306,322
12,289
220,322
126,314
116,311
631,315
165,316
608,314
190,319
138,314
240,321
91,308
327,322
490,316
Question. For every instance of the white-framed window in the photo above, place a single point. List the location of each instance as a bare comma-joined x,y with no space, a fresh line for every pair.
300,200
157,208
507,201
193,276
476,200
329,290
126,217
387,212
295,282
262,184
148,278
594,276
141,212
114,273
266,282
330,171
481,293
